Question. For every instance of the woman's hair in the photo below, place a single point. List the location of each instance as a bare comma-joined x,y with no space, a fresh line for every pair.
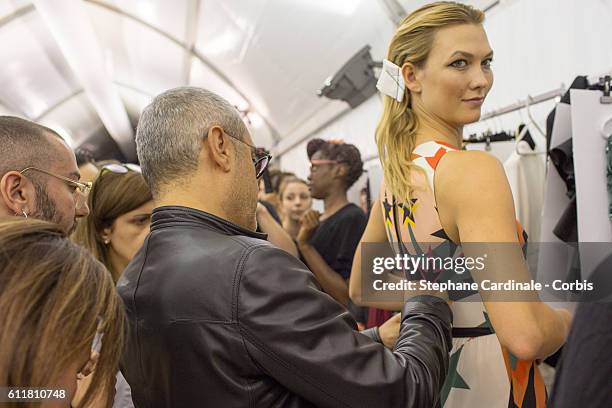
342,152
112,195
398,124
84,156
286,181
54,297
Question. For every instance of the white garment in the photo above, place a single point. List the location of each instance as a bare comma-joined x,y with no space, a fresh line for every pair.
526,175
589,148
123,393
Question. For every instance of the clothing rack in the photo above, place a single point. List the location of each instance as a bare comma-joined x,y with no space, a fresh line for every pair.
489,137
546,96
531,100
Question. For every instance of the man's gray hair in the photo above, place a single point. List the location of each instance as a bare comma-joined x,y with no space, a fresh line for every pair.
24,144
172,128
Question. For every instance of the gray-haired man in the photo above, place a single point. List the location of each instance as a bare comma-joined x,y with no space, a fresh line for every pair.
220,317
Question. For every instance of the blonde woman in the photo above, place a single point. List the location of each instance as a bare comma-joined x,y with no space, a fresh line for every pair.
295,200
57,303
435,78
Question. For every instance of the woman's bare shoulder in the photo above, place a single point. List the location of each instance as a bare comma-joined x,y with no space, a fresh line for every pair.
467,175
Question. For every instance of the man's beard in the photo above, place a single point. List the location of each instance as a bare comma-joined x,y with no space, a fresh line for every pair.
46,209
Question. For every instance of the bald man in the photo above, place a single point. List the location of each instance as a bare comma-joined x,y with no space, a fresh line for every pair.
39,176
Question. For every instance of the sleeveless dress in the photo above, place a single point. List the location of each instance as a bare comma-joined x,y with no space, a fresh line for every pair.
481,373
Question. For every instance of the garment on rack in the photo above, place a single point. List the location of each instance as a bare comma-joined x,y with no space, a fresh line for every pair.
567,229
482,373
562,157
580,82
588,113
526,174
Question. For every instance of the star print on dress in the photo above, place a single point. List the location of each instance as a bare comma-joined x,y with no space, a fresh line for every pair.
453,379
388,213
408,212
477,371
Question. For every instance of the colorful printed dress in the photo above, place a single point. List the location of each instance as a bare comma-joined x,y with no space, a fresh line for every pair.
482,373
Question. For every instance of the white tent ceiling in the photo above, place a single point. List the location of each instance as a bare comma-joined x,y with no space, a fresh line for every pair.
267,57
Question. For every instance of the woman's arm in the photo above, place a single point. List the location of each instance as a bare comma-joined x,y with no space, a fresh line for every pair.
276,234
374,232
332,283
476,208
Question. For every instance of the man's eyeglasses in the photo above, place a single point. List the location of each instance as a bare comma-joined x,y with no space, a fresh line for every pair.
121,168
260,158
82,187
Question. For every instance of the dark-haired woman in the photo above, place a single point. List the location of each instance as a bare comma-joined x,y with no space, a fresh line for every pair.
121,205
327,241
115,229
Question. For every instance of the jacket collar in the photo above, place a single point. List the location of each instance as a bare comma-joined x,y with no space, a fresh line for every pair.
176,215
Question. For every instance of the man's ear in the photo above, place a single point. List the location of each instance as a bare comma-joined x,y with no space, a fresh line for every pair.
218,150
18,193
411,79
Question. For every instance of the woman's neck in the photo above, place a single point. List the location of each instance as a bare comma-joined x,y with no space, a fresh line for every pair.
434,128
334,202
117,263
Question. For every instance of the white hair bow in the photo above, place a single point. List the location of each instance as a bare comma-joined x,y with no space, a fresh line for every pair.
391,81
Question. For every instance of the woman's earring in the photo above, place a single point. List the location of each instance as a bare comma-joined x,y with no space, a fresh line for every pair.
24,212
106,241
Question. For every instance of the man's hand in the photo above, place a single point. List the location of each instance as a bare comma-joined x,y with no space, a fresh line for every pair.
309,224
389,330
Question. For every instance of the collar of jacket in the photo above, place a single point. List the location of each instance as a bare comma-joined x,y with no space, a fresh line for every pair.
175,215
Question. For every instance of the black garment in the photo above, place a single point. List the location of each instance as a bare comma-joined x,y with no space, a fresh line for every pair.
337,238
336,241
584,376
567,228
271,210
219,317
562,158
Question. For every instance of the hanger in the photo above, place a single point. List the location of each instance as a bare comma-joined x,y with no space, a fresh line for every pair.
524,134
533,121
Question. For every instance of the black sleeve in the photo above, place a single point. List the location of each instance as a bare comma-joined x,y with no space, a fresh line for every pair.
585,371
348,233
271,210
306,341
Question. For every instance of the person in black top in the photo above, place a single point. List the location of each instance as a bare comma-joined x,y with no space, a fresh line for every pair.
584,373
327,241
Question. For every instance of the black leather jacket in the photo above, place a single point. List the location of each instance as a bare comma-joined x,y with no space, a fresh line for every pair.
219,317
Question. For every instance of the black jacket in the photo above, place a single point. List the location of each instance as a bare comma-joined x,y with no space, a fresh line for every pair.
219,317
